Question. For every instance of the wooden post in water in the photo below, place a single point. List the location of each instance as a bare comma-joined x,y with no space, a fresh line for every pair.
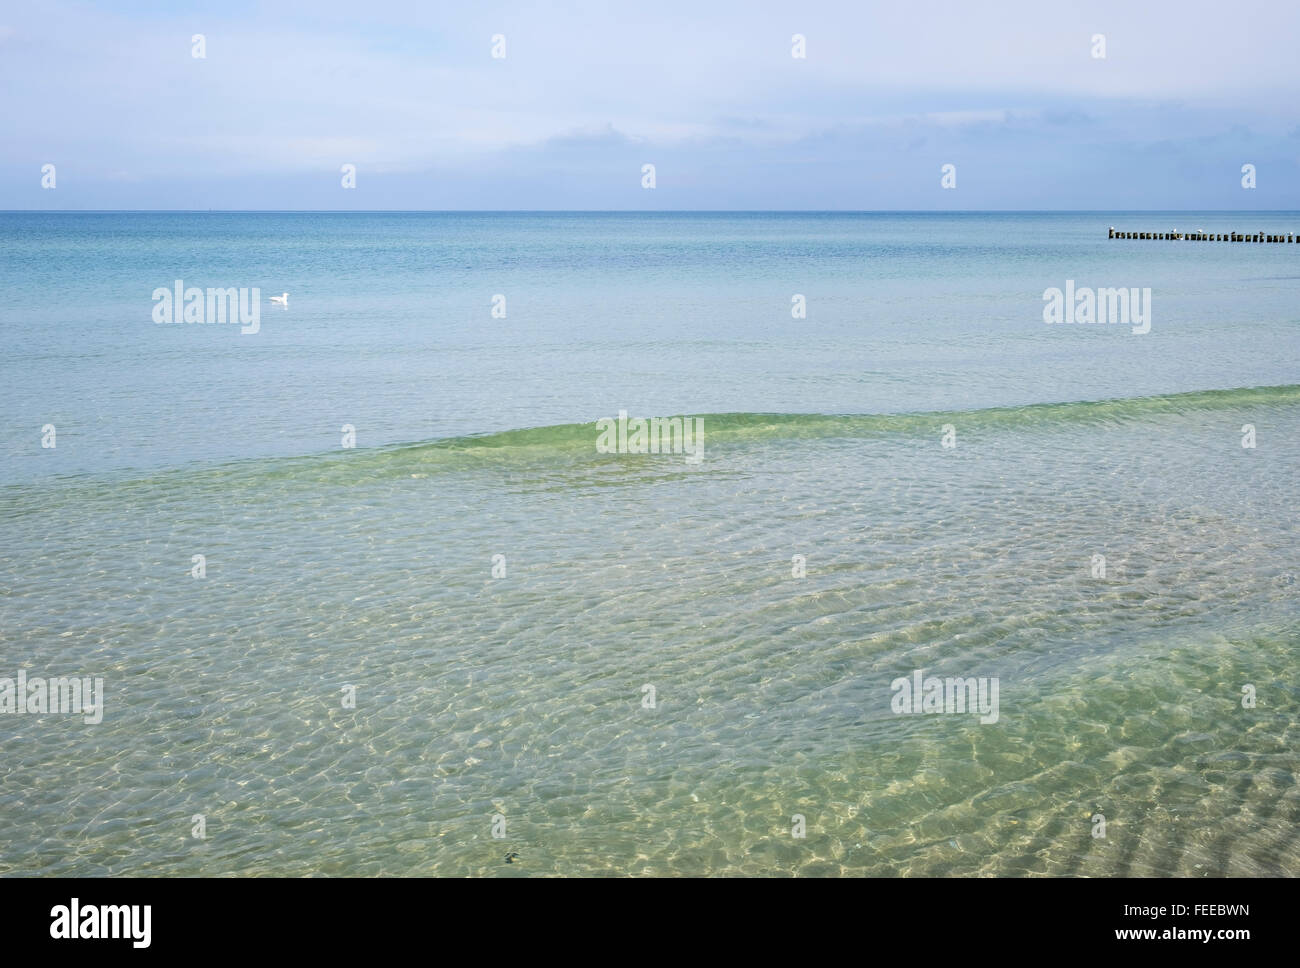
1200,235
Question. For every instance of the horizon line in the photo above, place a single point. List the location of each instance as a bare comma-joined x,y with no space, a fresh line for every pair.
642,211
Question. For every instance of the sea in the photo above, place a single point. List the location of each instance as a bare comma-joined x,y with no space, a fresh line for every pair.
368,596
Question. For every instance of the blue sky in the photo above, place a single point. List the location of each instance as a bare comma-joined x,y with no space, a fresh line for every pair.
709,93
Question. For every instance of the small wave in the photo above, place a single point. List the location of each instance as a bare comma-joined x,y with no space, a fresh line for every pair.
721,427
574,443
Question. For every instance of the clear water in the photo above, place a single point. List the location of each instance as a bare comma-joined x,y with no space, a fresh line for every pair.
522,696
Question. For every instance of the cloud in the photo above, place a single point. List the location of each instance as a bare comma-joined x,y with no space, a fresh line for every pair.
597,137
287,93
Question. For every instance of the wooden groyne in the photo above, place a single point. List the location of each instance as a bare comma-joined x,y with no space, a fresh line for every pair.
1199,236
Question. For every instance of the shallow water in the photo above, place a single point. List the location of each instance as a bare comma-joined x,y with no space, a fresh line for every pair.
522,696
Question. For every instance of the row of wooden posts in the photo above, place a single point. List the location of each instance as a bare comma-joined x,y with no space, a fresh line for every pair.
1204,236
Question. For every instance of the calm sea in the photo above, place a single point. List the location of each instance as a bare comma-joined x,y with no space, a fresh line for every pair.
472,623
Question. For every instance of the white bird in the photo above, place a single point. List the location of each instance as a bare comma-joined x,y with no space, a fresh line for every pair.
283,300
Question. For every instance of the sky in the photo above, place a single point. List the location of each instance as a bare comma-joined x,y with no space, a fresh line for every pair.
1008,92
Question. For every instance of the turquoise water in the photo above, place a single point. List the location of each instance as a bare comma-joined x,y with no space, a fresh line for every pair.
522,696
